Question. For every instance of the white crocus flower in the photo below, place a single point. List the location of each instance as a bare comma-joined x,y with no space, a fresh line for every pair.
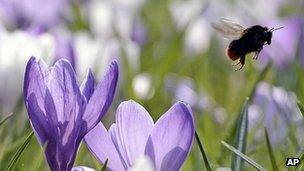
15,50
142,86
197,38
94,53
112,24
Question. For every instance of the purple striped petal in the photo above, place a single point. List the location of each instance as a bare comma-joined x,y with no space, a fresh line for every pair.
101,98
65,104
87,86
134,125
117,143
171,138
100,144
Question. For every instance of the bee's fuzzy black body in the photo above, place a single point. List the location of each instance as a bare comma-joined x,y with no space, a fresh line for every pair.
252,40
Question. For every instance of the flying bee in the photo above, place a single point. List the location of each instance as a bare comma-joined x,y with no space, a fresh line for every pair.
244,40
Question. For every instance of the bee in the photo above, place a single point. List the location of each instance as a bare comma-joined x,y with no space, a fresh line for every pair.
244,40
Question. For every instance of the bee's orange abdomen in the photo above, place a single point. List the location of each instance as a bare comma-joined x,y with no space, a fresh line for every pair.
231,54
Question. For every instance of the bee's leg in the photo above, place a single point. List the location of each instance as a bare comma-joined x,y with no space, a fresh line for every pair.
242,62
237,63
256,54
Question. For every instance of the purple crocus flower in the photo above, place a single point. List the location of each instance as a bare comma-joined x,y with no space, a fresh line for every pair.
60,111
27,13
134,135
284,43
65,49
277,110
139,33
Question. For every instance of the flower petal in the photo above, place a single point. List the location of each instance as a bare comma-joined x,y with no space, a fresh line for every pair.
101,98
65,103
34,80
101,145
87,86
171,138
117,143
134,125
55,106
34,94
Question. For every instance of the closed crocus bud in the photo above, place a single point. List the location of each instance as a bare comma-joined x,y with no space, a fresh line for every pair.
60,111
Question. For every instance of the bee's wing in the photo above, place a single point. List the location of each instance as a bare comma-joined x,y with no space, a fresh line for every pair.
229,29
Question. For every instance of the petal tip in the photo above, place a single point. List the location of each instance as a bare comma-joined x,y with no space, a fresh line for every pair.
184,108
114,66
184,105
62,61
90,74
129,102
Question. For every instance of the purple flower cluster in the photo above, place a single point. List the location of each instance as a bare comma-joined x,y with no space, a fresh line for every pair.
276,109
62,113
29,13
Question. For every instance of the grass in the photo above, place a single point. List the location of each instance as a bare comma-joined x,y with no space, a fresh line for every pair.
223,114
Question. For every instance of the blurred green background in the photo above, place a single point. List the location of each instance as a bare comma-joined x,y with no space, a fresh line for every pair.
180,57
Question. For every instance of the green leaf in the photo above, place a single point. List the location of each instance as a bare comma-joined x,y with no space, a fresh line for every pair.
205,158
243,156
39,159
6,118
301,107
104,167
241,138
270,152
19,152
300,166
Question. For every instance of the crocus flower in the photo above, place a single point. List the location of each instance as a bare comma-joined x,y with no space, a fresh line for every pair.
142,86
60,111
15,49
276,109
134,135
65,49
27,13
284,43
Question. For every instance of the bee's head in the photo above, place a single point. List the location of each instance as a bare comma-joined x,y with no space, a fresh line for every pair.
268,34
268,37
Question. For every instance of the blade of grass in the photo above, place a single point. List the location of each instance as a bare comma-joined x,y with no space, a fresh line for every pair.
300,166
6,118
260,77
19,152
243,156
301,107
270,152
205,158
241,138
37,164
104,166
